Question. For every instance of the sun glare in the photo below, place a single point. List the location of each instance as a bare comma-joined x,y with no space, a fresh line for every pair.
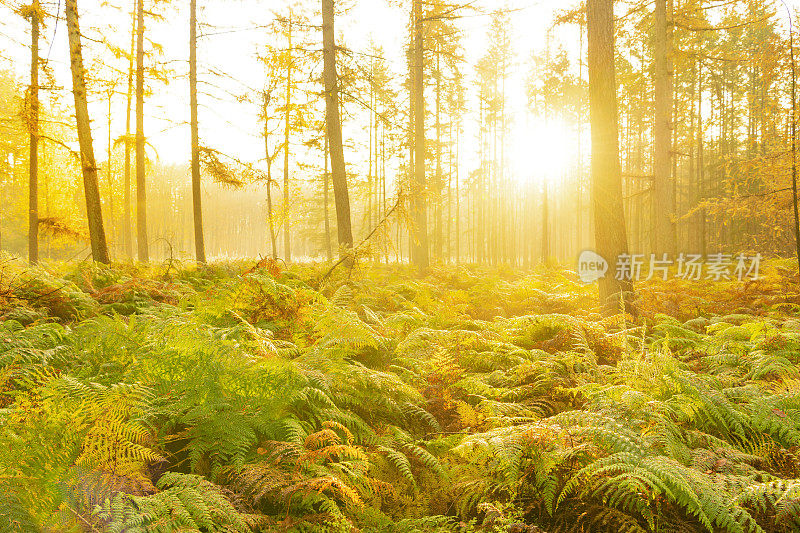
542,152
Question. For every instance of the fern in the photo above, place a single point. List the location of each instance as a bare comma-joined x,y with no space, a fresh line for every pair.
14,514
184,503
229,399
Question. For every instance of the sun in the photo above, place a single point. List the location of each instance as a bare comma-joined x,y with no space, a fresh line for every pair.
543,151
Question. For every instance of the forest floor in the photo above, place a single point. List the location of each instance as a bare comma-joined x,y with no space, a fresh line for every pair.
259,398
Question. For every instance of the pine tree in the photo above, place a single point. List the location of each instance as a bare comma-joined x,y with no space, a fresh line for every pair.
663,183
127,233
334,129
197,205
141,185
33,128
610,234
419,247
91,189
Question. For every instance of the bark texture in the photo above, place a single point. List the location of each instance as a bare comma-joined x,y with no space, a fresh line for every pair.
89,167
334,128
610,235
141,186
197,200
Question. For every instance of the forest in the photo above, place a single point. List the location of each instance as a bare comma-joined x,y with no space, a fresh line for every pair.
399,266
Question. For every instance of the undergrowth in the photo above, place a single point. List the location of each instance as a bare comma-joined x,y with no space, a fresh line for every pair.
245,399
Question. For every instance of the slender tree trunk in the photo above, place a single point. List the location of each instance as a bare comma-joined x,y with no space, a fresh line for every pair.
545,225
691,185
458,194
701,182
46,183
127,235
383,193
369,131
579,142
90,186
664,185
270,214
419,246
610,235
494,193
109,174
504,189
141,192
287,213
449,231
377,181
197,199
33,128
334,128
676,182
480,201
437,198
326,201
794,143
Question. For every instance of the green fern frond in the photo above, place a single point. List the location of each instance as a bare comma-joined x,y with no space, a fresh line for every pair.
184,503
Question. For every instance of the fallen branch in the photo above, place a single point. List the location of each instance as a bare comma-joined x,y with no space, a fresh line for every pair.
351,254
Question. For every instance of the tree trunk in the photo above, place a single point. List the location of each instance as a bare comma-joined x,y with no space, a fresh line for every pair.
437,198
33,128
141,192
494,192
479,203
701,179
90,186
46,183
326,202
545,224
579,142
270,214
610,236
377,175
419,246
369,131
197,200
109,174
663,184
794,145
691,185
458,194
287,244
334,128
449,232
383,192
126,223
